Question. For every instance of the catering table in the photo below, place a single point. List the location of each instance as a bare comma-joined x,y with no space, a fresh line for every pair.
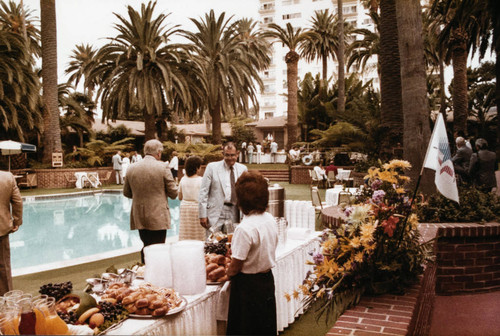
200,315
332,194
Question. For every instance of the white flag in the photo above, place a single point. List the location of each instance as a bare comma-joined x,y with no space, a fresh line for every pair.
438,158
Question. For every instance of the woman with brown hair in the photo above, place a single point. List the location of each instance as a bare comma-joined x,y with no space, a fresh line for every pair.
252,303
189,188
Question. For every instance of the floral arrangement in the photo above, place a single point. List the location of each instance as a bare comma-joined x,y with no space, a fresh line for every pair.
376,251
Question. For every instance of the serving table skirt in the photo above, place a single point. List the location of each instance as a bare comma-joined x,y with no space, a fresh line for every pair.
200,315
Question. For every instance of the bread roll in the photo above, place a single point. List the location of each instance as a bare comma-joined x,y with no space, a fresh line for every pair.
155,304
217,273
211,267
141,303
221,260
143,311
162,311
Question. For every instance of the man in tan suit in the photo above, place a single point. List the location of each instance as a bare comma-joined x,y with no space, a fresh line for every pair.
149,183
9,222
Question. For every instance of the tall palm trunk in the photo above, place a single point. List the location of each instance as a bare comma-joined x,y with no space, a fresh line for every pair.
340,58
459,94
292,63
324,61
216,115
52,130
442,85
391,113
149,126
413,83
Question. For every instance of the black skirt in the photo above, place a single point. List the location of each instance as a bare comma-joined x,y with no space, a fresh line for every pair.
252,305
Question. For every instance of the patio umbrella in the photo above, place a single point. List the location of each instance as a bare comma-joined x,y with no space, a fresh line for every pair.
10,147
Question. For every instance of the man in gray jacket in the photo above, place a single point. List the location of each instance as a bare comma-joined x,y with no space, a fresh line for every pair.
149,183
217,198
9,223
461,159
117,167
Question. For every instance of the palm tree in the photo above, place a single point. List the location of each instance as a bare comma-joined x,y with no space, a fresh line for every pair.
414,83
292,38
494,15
52,131
323,44
464,23
139,68
19,87
16,19
361,50
341,58
83,58
390,77
226,72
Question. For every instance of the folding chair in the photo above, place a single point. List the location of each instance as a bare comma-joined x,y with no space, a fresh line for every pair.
345,197
314,178
316,200
330,178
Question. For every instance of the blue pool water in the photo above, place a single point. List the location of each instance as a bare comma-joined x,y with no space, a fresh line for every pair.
59,230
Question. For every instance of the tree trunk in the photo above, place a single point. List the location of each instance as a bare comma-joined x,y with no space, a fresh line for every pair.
340,59
292,62
459,94
52,130
497,86
391,113
216,124
324,60
413,84
442,89
149,126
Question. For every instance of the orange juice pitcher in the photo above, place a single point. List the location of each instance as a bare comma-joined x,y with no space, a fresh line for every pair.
54,325
41,311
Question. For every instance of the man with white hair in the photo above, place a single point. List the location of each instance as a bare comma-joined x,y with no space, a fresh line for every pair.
461,159
149,184
482,167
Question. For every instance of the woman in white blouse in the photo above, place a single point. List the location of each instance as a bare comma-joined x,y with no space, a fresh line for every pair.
252,303
189,188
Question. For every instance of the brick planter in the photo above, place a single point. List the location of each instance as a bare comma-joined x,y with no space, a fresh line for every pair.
56,178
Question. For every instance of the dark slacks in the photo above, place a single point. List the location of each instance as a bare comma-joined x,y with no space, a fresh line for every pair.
5,270
150,237
252,305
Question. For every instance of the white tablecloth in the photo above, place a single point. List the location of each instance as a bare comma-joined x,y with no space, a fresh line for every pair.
266,158
332,194
343,175
200,315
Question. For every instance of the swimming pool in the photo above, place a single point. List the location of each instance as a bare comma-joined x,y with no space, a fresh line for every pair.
65,230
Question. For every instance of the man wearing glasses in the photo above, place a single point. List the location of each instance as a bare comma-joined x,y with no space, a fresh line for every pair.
217,199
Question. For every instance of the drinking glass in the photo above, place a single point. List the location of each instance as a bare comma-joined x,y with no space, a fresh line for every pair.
27,318
54,325
9,321
41,310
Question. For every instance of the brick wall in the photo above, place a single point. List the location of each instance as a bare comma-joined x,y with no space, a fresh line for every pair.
56,178
468,258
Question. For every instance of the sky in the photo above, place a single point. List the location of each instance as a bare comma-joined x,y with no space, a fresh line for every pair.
91,21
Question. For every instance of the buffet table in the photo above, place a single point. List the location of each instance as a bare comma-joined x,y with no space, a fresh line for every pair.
200,315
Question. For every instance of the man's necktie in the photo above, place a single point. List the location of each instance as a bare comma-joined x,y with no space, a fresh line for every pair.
233,187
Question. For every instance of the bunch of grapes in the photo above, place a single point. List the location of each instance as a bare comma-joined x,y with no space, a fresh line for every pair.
56,290
109,310
218,248
69,318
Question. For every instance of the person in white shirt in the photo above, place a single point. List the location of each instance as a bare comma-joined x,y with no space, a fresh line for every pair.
294,154
125,164
117,167
136,157
174,165
189,189
252,302
274,151
250,150
258,146
321,173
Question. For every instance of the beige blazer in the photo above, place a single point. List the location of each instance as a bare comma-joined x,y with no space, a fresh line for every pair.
9,195
149,183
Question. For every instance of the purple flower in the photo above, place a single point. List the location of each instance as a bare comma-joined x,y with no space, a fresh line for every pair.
378,196
376,184
318,258
348,211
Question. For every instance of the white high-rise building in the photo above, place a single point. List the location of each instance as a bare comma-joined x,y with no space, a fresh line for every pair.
273,100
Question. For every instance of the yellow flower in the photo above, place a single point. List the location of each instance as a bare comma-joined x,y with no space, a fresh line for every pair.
295,294
359,257
304,289
388,176
404,178
394,164
367,231
355,242
372,173
400,190
369,247
288,297
329,245
328,268
413,220
360,213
